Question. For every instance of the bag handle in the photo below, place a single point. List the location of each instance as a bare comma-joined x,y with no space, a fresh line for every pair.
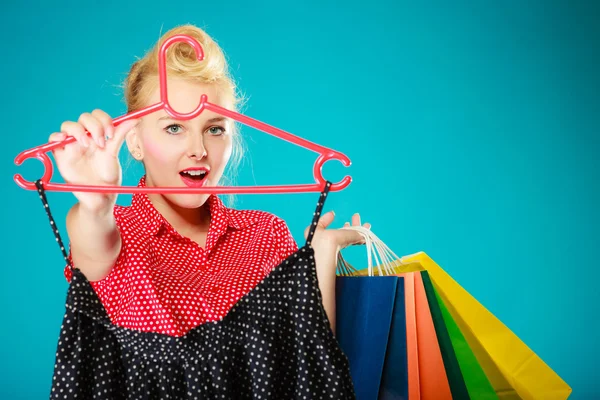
384,257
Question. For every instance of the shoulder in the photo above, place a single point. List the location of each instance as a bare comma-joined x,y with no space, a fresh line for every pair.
129,221
258,218
123,213
272,228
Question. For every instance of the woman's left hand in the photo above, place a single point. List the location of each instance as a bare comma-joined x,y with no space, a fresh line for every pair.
336,239
326,244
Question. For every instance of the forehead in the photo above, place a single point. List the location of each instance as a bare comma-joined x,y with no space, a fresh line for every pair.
184,96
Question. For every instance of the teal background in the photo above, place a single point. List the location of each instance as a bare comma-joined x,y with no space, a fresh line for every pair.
472,128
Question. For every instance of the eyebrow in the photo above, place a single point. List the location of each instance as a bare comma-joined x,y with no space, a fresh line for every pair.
210,121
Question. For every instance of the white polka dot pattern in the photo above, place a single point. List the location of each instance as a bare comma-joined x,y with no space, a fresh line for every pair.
274,343
166,283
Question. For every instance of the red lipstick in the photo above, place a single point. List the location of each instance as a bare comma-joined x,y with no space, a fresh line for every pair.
194,176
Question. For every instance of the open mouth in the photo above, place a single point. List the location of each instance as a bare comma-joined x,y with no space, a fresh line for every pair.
194,177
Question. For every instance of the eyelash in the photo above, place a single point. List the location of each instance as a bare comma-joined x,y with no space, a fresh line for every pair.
218,127
179,126
171,126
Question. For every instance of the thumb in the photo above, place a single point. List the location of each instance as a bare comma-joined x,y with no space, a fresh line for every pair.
115,143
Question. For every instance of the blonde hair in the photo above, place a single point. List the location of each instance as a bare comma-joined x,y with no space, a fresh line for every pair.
181,62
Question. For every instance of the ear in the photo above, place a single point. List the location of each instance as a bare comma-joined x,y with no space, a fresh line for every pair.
134,143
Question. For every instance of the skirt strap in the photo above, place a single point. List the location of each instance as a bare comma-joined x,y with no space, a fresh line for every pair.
317,214
42,193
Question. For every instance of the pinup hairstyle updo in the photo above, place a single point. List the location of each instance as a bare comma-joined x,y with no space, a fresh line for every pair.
181,62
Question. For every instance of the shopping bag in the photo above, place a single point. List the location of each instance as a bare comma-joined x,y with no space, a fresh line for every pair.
433,378
413,366
394,380
423,376
478,385
433,371
456,380
414,371
413,338
514,370
444,326
371,330
364,314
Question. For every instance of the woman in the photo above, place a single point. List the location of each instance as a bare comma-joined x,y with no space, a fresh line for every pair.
169,264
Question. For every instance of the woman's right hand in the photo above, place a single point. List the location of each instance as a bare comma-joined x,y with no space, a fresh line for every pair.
92,160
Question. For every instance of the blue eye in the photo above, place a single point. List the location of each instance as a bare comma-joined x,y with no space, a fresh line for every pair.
178,129
216,130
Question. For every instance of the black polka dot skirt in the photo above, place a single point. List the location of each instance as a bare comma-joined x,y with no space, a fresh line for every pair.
275,343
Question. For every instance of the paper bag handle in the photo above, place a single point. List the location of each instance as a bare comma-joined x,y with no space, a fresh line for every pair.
385,258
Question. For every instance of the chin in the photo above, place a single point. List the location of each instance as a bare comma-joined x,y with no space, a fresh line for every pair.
187,200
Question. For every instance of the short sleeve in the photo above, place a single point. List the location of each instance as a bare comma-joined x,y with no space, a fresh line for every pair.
284,240
68,273
118,264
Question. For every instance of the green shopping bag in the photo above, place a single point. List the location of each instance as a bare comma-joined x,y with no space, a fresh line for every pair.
478,384
466,377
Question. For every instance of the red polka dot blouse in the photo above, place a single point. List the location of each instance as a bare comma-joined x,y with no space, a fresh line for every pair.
166,283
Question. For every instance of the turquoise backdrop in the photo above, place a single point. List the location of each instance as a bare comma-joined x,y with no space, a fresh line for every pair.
472,126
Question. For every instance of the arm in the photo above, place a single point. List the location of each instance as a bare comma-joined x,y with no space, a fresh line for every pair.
326,260
327,243
94,240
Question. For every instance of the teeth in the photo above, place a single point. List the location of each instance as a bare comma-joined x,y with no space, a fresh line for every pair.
195,173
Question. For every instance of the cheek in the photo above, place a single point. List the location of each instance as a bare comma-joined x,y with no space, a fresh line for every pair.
219,149
158,151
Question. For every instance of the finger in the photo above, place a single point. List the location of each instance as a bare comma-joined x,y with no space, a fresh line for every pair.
106,122
94,127
356,219
114,144
77,131
66,152
352,237
347,224
367,225
326,219
57,137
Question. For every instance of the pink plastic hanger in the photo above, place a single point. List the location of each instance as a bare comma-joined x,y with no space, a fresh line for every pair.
325,154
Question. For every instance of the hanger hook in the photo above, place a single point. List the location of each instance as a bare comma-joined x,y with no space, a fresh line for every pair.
318,169
43,157
162,74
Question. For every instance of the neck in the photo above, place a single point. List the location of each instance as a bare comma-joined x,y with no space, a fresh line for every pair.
186,221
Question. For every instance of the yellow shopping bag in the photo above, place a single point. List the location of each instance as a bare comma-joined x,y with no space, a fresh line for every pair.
513,369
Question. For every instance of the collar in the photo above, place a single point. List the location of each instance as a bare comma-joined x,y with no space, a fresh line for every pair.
221,219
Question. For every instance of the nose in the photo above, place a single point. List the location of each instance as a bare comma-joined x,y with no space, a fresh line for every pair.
196,147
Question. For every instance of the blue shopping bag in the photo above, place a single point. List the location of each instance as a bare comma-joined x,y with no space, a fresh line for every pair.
394,382
371,330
